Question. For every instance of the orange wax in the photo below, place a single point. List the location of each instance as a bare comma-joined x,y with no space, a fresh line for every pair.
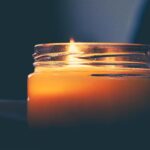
77,83
64,97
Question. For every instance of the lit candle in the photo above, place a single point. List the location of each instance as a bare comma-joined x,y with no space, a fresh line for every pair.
75,83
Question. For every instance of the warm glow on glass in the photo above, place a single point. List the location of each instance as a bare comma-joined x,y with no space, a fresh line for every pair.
75,83
110,59
72,47
73,51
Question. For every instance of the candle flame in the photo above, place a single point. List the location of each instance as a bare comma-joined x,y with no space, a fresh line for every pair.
73,50
72,47
72,40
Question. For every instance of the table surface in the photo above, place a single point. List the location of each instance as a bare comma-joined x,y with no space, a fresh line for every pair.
16,134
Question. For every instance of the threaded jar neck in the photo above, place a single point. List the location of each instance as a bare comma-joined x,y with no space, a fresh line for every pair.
99,56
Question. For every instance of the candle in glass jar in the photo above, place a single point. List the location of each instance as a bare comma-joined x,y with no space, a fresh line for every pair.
86,83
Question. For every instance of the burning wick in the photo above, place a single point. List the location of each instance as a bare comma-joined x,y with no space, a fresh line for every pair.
72,47
73,51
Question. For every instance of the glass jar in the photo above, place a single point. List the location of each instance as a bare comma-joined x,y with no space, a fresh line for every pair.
78,83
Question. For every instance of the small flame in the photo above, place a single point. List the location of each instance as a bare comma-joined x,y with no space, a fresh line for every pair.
73,49
72,40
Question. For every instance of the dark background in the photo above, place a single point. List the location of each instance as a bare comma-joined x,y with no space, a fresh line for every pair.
26,23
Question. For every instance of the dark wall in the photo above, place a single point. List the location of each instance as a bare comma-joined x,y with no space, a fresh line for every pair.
22,25
26,23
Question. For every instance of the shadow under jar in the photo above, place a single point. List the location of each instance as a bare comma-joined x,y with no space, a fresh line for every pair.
77,84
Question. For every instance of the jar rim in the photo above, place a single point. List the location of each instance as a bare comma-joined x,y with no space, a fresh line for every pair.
94,43
116,56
